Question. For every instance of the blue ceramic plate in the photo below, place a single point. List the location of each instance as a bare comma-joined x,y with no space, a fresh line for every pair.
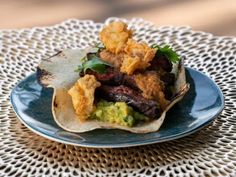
203,103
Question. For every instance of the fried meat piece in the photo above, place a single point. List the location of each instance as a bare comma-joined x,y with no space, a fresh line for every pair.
152,87
137,57
114,59
82,94
114,36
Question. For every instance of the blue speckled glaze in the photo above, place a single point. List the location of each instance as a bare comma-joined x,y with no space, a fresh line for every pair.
203,103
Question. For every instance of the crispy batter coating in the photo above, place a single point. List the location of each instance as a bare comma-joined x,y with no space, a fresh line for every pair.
82,94
152,87
114,59
137,56
114,36
130,64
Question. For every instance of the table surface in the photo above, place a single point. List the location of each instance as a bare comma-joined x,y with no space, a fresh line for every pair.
215,16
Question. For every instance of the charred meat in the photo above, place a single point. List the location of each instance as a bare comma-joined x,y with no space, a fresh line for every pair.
114,77
111,77
131,97
161,62
168,78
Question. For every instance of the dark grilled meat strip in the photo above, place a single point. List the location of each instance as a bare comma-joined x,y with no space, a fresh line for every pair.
130,82
111,77
131,97
114,77
161,61
168,78
164,66
168,93
169,81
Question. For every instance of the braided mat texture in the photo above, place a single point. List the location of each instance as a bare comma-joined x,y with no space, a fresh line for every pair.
210,152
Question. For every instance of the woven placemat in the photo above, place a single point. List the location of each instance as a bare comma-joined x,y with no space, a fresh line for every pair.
209,152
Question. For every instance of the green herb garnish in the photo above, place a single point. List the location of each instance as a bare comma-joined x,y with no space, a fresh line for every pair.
94,63
168,52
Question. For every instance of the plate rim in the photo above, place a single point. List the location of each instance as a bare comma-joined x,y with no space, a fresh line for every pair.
123,145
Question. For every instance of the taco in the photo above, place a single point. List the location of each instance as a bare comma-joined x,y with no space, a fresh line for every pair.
118,84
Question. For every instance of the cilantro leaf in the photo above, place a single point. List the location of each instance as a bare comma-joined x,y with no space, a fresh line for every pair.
168,52
94,63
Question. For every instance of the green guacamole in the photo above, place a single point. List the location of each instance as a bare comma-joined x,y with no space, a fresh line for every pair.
118,113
